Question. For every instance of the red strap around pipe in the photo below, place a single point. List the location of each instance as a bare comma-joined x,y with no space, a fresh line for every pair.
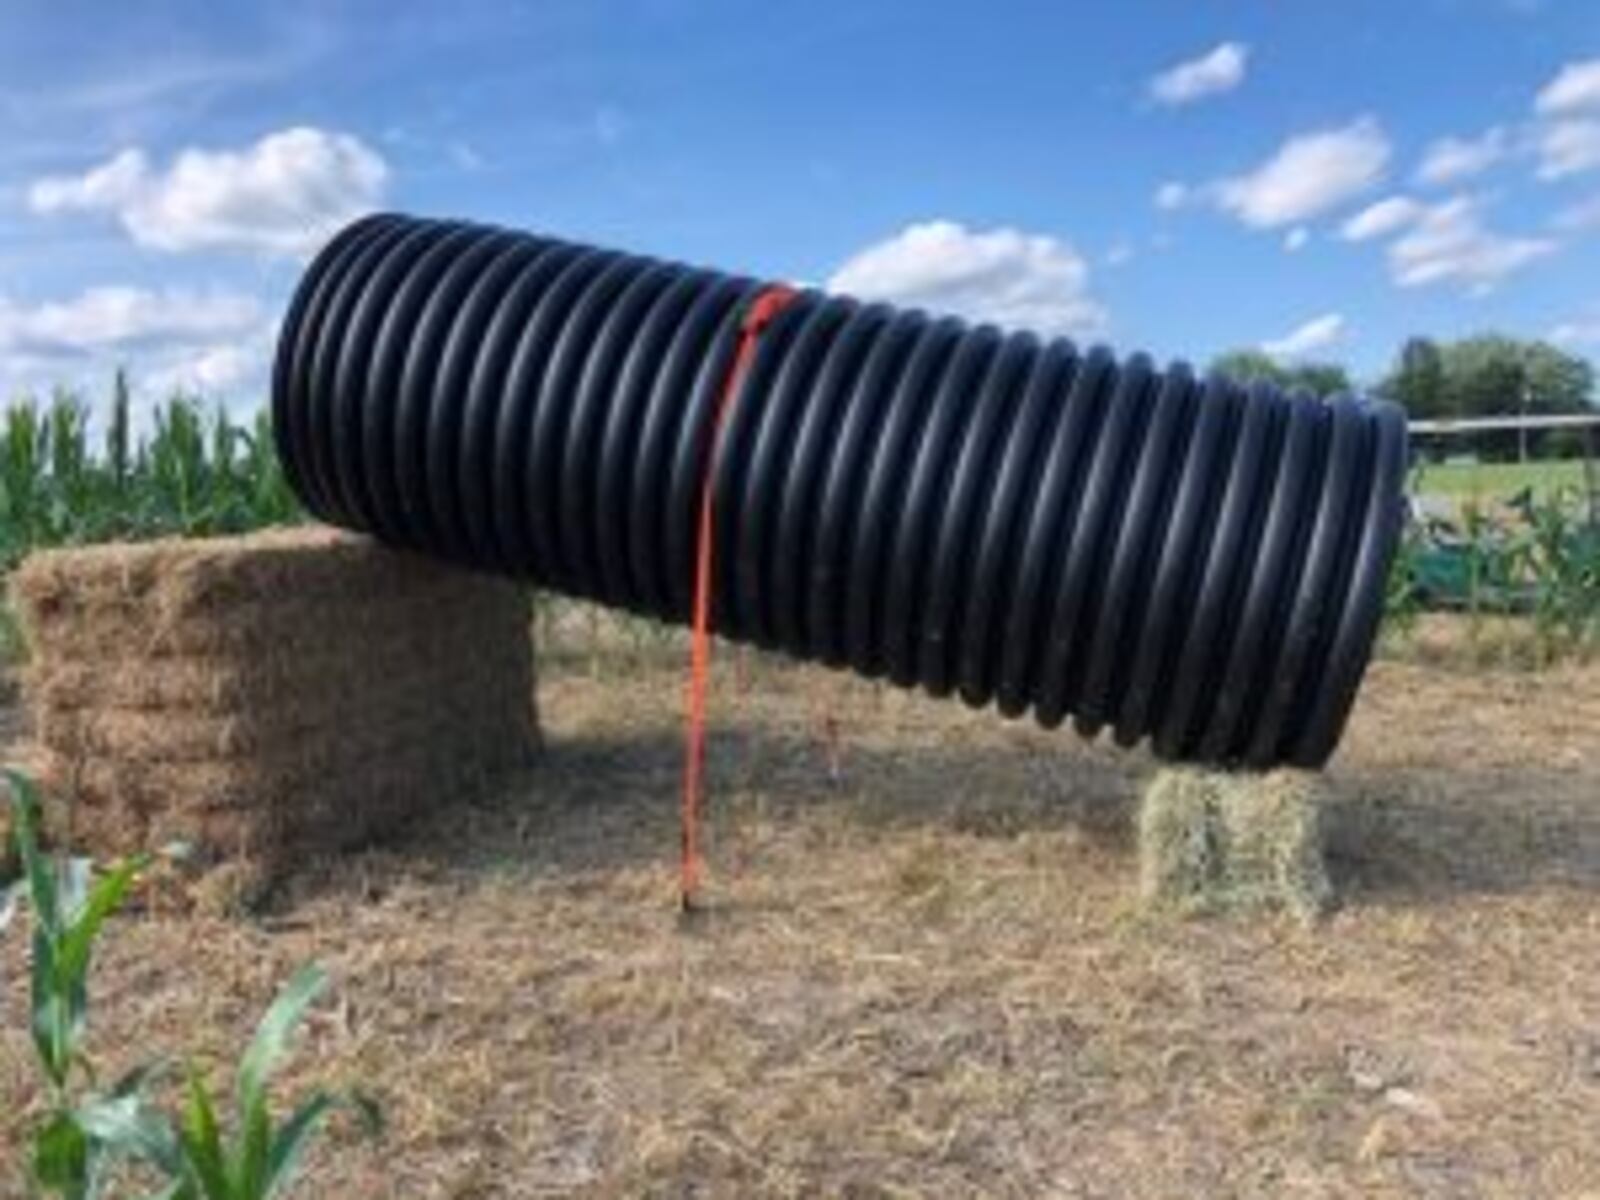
766,306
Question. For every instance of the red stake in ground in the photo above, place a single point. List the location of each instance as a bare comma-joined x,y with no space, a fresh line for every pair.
766,306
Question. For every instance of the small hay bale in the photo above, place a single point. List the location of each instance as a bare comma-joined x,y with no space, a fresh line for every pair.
1210,841
264,698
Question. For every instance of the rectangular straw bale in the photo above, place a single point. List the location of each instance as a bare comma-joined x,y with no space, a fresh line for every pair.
129,681
269,811
175,578
268,696
151,735
498,741
285,624
1212,839
213,701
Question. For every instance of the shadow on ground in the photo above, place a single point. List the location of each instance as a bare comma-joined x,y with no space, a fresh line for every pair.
602,801
1401,836
605,794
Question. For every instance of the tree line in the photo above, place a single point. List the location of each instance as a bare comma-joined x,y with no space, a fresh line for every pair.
1487,375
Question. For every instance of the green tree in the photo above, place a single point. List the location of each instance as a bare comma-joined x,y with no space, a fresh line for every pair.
1321,379
1417,381
1557,382
1253,366
1493,375
1250,366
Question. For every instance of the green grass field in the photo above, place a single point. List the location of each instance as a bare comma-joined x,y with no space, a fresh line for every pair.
1498,480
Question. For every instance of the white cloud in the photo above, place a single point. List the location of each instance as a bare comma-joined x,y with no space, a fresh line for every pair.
1015,279
1585,331
1386,216
1219,70
1172,195
1316,334
159,76
1448,243
234,370
1309,174
283,195
116,318
103,187
1569,148
211,342
1451,158
1120,253
1580,217
1296,239
1574,88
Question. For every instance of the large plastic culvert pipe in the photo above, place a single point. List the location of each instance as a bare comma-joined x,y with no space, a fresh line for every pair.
1021,521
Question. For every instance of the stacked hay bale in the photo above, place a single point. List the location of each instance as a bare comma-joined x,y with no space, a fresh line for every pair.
264,697
1213,840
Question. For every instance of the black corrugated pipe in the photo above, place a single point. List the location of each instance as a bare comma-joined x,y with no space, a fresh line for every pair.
1192,560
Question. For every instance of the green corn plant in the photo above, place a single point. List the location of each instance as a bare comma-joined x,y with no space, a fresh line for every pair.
178,467
119,434
196,472
85,1131
13,647
1494,583
23,444
1405,590
74,482
261,1159
67,419
1532,563
1560,560
269,499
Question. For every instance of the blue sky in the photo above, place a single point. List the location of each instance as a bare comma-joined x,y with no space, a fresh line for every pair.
1182,176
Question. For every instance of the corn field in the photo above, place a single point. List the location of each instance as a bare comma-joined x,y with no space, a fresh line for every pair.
1533,561
195,472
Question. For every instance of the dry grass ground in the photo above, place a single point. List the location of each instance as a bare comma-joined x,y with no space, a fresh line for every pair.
924,970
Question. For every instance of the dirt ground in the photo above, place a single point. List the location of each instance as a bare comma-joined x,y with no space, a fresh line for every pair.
924,969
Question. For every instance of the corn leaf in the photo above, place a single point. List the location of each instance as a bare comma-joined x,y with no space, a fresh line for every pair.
127,1126
272,1035
10,900
42,892
201,1142
61,1157
105,897
50,1024
255,1133
288,1147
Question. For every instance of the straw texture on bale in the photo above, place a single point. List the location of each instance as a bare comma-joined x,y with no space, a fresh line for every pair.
269,696
1211,840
